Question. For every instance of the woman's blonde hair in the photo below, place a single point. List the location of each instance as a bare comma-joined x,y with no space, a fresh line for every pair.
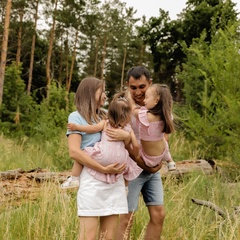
85,99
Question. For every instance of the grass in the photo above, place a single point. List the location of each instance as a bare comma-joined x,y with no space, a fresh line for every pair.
190,221
53,214
29,154
187,221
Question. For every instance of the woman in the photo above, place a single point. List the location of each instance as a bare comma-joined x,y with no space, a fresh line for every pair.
94,198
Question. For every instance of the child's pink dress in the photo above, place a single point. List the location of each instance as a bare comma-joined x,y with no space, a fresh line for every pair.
151,131
108,152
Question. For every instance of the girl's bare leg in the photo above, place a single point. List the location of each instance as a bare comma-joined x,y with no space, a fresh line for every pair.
76,169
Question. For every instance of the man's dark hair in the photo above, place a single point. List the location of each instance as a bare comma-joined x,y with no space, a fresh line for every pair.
137,71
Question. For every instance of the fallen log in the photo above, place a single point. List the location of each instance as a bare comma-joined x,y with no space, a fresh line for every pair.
11,174
188,166
39,174
18,184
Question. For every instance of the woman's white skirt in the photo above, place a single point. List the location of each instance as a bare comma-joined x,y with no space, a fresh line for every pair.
97,198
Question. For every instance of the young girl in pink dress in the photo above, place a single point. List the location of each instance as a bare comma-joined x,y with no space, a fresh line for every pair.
154,120
106,151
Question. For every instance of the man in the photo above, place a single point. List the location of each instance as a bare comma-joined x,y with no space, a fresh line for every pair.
149,182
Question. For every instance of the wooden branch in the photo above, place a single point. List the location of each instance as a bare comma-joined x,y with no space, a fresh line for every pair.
211,206
237,210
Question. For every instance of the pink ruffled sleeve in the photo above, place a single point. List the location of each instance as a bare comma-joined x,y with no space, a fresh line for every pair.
142,116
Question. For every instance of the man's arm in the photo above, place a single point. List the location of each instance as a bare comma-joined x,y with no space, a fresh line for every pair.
142,164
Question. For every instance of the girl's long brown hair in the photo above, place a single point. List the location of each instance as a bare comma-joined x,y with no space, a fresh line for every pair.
164,106
85,99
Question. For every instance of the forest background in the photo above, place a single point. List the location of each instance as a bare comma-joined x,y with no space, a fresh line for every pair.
197,55
48,46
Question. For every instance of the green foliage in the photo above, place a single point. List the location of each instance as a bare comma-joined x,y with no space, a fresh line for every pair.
200,14
211,86
162,35
16,103
165,37
21,116
102,37
30,153
50,117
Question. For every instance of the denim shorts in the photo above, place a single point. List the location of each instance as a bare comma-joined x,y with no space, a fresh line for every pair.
151,187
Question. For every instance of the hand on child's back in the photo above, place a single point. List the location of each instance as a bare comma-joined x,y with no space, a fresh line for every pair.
71,127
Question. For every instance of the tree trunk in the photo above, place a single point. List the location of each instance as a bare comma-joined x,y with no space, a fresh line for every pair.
142,54
72,64
96,60
60,63
19,40
49,55
67,62
103,57
4,48
32,51
123,67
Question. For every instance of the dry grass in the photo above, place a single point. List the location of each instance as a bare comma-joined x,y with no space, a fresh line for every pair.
52,215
